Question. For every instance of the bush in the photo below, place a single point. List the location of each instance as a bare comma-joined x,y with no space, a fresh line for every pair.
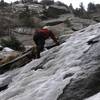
12,43
68,23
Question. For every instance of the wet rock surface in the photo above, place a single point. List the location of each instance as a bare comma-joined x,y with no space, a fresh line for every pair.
87,82
69,71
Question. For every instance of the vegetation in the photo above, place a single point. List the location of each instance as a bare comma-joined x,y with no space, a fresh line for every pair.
91,7
81,12
67,23
13,43
3,4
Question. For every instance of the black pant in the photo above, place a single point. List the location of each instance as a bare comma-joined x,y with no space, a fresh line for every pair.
40,41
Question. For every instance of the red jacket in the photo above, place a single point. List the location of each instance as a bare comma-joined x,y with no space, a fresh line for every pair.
47,33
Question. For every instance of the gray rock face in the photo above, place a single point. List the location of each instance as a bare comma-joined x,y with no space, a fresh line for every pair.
66,72
88,81
79,23
76,23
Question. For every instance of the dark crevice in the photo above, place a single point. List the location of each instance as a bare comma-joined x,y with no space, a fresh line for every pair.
68,75
3,88
82,30
92,42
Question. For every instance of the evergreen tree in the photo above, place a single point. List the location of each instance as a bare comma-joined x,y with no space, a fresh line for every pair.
82,7
71,8
3,4
91,8
81,12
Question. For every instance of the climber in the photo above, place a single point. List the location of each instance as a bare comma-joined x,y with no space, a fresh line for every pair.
40,35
